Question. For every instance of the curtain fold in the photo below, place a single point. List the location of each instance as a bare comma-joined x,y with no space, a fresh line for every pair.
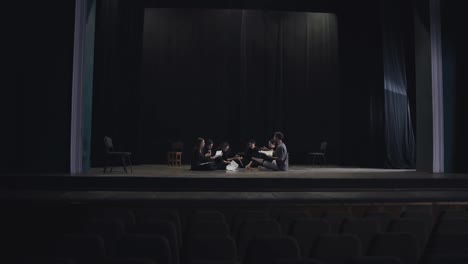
399,134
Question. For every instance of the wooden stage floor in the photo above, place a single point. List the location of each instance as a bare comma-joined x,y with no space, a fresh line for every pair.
161,183
296,171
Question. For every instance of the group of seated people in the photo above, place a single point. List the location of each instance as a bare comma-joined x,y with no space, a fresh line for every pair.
204,158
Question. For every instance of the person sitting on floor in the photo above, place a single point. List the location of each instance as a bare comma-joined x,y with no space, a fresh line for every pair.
199,161
280,156
251,152
227,157
208,149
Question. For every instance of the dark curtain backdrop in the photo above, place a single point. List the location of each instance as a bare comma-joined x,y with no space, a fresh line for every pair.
37,62
249,59
231,75
116,80
399,134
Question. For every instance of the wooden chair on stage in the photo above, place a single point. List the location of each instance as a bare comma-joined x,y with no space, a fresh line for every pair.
174,156
124,156
321,155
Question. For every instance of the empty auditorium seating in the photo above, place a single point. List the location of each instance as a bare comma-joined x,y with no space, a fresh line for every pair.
375,260
364,229
211,249
336,249
267,249
401,245
153,247
162,228
244,215
454,244
336,218
307,230
453,226
252,229
424,216
151,235
206,215
145,214
286,219
110,230
83,248
412,226
215,228
384,218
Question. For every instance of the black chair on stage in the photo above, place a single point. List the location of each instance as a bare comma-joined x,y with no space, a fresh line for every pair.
321,154
124,156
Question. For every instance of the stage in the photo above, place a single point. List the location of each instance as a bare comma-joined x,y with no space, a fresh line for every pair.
161,183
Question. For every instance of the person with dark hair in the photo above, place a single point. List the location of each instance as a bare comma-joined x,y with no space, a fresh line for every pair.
208,149
199,161
280,155
251,152
225,159
270,145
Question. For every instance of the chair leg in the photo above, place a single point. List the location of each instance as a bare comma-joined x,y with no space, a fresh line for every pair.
324,160
106,163
313,159
124,164
130,163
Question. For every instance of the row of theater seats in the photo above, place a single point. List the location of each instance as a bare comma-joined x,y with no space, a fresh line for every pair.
126,236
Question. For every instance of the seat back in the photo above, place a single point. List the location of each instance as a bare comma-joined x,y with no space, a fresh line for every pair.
286,219
161,228
336,218
81,247
211,248
207,228
307,230
323,147
108,145
416,227
448,245
212,216
152,247
364,229
384,218
255,228
401,245
265,250
336,249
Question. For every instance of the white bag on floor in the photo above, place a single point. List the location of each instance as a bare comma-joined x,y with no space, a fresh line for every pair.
232,166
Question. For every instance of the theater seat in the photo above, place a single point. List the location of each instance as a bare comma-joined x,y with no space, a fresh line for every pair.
265,250
211,248
307,230
152,247
336,249
364,229
376,260
401,245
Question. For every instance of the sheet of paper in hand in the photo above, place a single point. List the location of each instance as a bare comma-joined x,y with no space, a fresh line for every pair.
219,153
267,152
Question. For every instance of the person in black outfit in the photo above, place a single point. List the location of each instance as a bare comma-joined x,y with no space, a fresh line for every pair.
251,152
199,161
208,149
223,161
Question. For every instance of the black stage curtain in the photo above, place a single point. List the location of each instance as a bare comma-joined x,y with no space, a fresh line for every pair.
238,74
399,134
117,61
37,68
237,66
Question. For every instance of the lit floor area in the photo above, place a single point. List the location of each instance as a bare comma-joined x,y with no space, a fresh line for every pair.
297,171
